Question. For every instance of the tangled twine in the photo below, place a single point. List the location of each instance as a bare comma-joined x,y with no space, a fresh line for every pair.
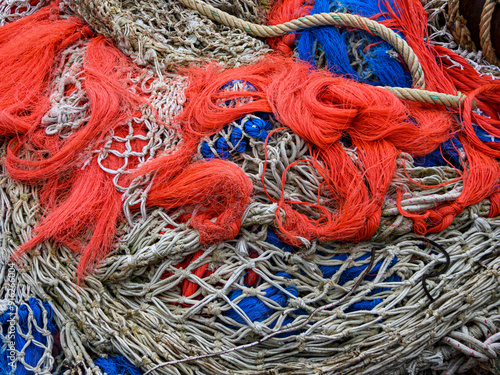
254,305
166,35
131,305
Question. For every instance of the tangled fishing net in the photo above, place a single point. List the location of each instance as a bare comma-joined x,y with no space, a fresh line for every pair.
166,34
176,199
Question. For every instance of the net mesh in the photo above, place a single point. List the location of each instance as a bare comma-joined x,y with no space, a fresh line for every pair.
27,326
167,35
255,284
163,296
12,10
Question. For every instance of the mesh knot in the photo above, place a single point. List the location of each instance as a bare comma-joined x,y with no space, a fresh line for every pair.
469,299
347,332
145,361
252,292
214,278
259,328
297,303
213,309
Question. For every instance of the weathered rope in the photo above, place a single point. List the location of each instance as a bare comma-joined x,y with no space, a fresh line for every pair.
340,19
457,25
485,31
431,97
461,34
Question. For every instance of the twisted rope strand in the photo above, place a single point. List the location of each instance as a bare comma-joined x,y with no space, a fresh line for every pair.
321,19
341,19
485,31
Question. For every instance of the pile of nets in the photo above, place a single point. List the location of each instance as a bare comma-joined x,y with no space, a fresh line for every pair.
250,213
166,35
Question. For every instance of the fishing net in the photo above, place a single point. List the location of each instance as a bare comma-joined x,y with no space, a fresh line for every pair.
167,35
16,9
253,304
441,33
28,328
255,284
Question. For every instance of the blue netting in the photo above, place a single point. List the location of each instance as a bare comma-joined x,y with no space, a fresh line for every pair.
381,65
34,351
117,365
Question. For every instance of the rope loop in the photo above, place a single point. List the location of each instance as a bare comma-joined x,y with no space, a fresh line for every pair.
340,19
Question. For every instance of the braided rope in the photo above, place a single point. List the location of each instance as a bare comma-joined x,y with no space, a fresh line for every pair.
340,19
485,31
